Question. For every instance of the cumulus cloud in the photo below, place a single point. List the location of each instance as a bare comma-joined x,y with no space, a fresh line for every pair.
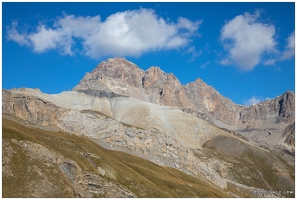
252,100
129,33
290,48
246,40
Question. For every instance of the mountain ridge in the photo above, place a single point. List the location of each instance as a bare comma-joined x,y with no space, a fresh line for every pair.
152,85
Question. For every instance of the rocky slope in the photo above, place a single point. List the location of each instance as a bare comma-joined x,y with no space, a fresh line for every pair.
119,76
39,163
265,124
165,135
282,107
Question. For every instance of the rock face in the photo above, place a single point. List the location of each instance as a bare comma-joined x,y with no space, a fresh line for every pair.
119,76
282,107
31,108
165,89
122,77
289,134
155,86
268,124
211,102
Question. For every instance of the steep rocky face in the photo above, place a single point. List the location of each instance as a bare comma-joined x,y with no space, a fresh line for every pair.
165,89
31,108
117,75
123,77
289,134
114,68
287,107
282,107
209,101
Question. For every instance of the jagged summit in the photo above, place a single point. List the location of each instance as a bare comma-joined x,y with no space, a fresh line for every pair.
156,86
123,77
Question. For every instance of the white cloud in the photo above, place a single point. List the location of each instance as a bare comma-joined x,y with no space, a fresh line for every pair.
129,33
246,40
252,100
45,39
184,23
290,48
12,34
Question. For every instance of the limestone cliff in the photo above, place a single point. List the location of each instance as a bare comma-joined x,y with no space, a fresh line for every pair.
211,102
282,107
122,77
165,89
155,86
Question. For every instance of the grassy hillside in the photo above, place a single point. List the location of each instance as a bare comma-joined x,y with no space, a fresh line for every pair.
252,166
141,177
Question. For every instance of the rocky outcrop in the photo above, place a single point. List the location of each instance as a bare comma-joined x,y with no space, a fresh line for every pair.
289,134
154,146
287,107
283,107
211,102
115,75
165,89
31,108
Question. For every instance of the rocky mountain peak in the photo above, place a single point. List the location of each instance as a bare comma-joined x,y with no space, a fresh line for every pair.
165,89
287,106
117,62
123,77
154,69
157,76
211,102
154,85
112,73
282,107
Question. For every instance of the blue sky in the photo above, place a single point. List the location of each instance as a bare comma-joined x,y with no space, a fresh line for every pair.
244,50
